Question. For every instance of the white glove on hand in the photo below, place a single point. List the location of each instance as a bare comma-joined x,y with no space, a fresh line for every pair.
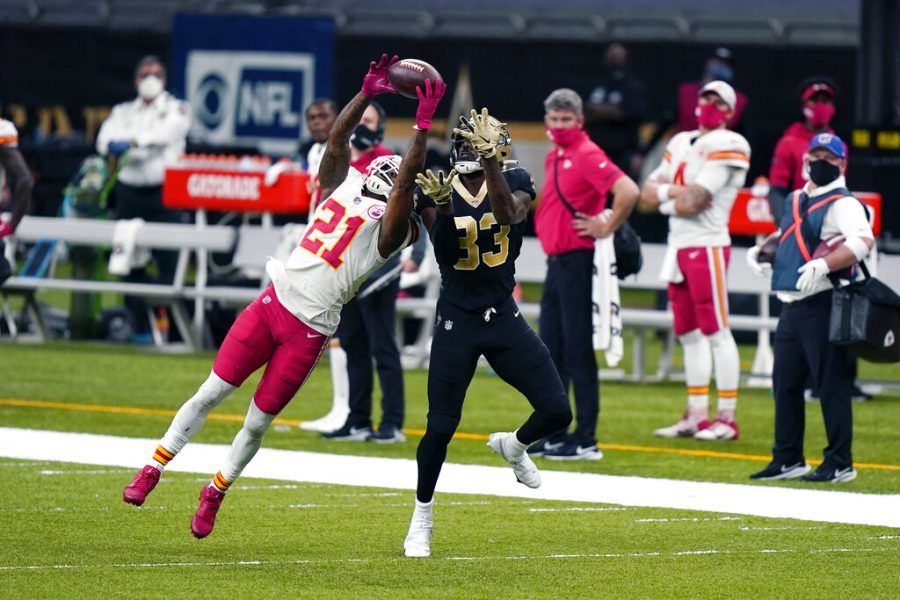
811,274
761,269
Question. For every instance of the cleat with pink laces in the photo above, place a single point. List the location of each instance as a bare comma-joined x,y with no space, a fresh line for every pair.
142,484
718,431
686,427
205,518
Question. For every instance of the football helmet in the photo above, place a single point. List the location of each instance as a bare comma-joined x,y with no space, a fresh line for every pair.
463,157
381,174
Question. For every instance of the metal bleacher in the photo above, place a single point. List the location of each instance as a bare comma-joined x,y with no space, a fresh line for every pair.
799,22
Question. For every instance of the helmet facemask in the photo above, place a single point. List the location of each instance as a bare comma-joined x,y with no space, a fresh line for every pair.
381,174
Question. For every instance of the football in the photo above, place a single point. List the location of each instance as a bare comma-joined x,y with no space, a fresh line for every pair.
407,74
767,249
828,246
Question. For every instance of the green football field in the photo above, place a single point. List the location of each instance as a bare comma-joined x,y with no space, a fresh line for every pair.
64,531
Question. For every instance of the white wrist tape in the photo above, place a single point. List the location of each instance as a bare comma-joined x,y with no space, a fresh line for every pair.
662,192
858,247
667,207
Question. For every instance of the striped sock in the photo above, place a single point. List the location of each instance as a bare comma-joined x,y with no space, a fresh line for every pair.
698,403
220,482
727,406
162,457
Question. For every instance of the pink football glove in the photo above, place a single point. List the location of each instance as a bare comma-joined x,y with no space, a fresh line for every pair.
376,80
428,102
6,229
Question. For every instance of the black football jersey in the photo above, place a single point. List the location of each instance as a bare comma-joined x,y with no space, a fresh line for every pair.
477,255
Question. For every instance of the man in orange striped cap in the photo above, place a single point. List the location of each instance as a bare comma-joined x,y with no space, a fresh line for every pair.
696,185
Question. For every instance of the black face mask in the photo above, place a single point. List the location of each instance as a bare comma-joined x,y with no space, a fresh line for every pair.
822,172
364,138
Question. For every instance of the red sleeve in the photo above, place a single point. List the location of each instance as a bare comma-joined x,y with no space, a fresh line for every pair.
782,171
600,171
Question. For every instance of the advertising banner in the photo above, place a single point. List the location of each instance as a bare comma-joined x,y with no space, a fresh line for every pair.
249,79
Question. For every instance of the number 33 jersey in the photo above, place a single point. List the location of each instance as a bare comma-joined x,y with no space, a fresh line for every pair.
475,254
336,254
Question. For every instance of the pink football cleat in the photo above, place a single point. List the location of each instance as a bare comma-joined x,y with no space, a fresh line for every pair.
142,484
205,518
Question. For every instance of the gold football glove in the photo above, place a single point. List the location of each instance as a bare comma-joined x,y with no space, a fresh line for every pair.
484,132
437,187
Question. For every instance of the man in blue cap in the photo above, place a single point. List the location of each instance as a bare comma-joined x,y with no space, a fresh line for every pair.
822,210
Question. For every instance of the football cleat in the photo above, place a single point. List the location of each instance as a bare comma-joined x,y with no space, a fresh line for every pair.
775,471
543,446
827,473
718,431
205,518
684,428
523,467
418,540
142,484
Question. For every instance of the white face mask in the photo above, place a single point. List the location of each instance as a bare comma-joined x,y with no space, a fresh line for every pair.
150,87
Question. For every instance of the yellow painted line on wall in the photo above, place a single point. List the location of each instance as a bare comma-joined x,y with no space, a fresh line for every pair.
160,412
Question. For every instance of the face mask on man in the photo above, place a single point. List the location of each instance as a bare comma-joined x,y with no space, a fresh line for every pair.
709,116
822,172
819,114
150,87
564,137
364,138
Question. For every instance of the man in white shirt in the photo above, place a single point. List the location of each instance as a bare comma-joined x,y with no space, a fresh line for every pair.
145,135
363,222
822,210
696,185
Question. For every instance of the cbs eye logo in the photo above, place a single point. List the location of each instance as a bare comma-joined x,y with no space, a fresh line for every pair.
211,105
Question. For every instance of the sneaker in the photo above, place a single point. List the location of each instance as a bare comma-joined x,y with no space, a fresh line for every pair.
348,433
718,431
776,470
387,434
684,428
523,466
827,473
142,484
205,518
575,451
858,395
543,446
418,540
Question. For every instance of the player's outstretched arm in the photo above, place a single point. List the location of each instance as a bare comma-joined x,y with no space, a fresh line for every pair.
336,159
395,222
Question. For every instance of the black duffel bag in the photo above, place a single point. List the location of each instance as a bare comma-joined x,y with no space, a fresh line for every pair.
627,245
865,315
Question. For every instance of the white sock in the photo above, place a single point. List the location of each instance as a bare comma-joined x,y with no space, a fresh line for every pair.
728,372
423,509
514,446
192,415
340,382
247,442
697,373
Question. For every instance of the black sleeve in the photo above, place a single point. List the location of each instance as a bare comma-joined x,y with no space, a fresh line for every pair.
519,179
445,239
422,201
777,195
17,171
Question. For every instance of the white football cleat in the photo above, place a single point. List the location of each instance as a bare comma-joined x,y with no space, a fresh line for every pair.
524,468
418,539
719,431
330,422
684,428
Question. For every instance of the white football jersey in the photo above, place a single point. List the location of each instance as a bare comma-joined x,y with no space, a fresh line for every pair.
9,137
717,161
336,254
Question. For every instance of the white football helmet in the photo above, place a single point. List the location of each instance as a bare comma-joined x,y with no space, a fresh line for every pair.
381,174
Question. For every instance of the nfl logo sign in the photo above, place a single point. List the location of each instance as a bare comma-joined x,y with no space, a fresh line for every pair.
448,325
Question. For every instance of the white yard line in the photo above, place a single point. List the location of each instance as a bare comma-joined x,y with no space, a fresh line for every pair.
254,563
825,503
